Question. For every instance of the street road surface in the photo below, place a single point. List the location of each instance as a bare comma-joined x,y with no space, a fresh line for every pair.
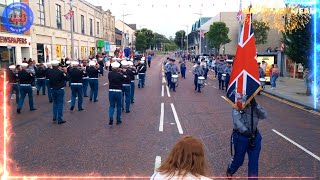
86,144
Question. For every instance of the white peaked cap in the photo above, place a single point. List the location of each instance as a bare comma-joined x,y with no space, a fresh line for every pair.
124,63
68,62
94,59
115,65
12,67
141,61
55,63
74,63
92,63
24,64
131,59
143,58
130,63
48,64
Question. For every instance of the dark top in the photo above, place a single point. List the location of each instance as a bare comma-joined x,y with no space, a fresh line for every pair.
12,77
92,72
56,78
25,77
131,74
115,80
75,75
101,64
40,72
142,69
127,77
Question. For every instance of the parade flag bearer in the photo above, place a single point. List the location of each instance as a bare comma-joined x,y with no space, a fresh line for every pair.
26,79
57,78
93,73
116,80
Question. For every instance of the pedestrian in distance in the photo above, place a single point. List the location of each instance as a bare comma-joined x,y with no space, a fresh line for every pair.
149,60
116,80
93,72
76,78
26,79
183,68
185,161
57,78
261,74
274,76
246,138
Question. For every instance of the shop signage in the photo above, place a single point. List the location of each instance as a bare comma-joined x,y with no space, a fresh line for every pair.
100,43
17,17
13,40
107,46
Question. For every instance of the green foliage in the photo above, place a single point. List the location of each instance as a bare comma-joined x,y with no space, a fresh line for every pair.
180,36
260,30
298,45
171,46
141,42
218,35
146,39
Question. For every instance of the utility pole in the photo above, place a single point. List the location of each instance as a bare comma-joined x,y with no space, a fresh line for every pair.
187,38
71,29
200,14
123,33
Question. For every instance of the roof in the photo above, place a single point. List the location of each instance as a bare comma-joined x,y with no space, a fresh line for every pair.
117,31
132,26
200,22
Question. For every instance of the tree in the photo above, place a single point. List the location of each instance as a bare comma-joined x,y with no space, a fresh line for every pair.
260,30
218,35
179,38
148,35
141,42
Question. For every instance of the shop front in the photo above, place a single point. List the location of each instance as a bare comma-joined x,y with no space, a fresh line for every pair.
92,51
100,46
13,48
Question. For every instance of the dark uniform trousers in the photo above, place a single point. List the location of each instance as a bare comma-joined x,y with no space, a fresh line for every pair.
196,84
85,86
13,87
142,78
132,90
94,87
49,90
58,101
76,91
24,90
115,100
41,83
221,83
126,96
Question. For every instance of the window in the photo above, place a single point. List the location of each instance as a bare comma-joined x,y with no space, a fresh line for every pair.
90,20
98,26
82,24
41,12
58,16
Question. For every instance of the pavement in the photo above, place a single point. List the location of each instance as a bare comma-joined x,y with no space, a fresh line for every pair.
87,146
293,90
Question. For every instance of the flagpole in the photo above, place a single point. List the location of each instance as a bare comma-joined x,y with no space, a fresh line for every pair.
240,19
71,29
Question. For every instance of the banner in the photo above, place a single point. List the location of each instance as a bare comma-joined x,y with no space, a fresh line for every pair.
244,79
47,53
106,46
58,51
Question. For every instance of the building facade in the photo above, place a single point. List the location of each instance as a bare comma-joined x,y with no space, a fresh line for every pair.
129,34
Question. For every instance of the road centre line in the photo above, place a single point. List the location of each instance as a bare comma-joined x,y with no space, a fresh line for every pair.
168,92
176,119
162,90
157,163
161,118
298,145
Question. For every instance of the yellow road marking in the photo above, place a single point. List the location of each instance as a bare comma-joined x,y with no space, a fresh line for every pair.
290,103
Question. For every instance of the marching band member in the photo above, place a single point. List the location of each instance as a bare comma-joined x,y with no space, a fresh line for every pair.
115,85
26,79
49,66
142,73
101,65
126,86
13,83
227,71
183,68
56,79
221,67
93,74
173,70
197,71
85,78
167,69
134,73
41,79
76,78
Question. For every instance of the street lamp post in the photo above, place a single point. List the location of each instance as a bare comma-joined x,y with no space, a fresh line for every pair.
187,38
71,29
123,33
200,14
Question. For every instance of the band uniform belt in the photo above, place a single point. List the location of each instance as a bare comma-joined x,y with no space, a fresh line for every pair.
141,73
41,78
126,84
13,83
242,134
93,78
132,81
115,90
25,84
85,78
76,83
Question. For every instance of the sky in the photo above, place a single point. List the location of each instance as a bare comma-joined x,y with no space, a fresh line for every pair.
165,16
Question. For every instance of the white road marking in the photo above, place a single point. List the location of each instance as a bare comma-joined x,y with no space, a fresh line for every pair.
105,84
172,123
215,87
70,100
168,92
162,90
161,118
298,145
176,119
157,163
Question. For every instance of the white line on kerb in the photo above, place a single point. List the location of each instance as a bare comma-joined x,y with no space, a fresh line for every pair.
176,119
168,92
157,163
161,118
298,145
162,90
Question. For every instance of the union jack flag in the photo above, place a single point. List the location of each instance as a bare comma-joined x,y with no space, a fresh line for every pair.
68,15
239,15
244,79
